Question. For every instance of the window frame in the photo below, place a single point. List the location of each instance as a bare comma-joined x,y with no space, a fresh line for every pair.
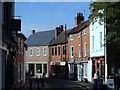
71,37
45,52
37,51
31,51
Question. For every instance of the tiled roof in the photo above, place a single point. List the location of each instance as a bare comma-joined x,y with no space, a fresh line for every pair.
61,38
80,27
40,38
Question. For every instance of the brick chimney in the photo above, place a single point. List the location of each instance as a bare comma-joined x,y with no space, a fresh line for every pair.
58,30
33,31
79,18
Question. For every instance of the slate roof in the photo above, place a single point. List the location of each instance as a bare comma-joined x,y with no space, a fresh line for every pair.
61,38
80,27
40,38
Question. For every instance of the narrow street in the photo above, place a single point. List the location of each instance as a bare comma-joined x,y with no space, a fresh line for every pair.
50,84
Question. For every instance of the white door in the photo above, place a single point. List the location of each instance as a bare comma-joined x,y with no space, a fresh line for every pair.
79,74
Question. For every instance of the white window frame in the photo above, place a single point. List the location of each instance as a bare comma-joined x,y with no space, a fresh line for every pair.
84,31
38,51
100,39
31,51
79,51
93,42
79,35
85,49
45,52
71,52
71,37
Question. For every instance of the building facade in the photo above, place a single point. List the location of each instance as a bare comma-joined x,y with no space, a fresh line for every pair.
59,56
20,59
37,54
8,47
78,43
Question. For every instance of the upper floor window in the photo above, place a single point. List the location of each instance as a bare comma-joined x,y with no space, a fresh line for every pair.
71,51
100,39
38,51
58,50
85,49
55,50
44,51
92,42
52,50
79,35
84,32
31,52
79,53
64,50
71,37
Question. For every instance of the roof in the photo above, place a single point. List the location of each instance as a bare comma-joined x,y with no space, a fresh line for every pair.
80,27
61,38
40,38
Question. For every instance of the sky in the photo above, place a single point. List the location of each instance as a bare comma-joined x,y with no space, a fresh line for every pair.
42,16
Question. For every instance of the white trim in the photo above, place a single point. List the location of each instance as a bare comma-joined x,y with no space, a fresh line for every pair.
31,52
45,53
71,37
37,51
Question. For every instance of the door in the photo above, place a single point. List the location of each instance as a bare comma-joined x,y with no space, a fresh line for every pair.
31,69
79,73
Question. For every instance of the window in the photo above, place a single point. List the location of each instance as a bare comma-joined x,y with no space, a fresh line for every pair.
100,39
45,51
64,50
79,35
55,50
52,50
31,52
79,53
58,50
38,68
92,42
71,37
84,32
85,49
38,51
72,51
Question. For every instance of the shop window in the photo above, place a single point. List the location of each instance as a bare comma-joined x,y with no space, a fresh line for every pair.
38,68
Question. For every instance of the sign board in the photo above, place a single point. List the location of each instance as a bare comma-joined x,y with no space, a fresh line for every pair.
110,83
62,63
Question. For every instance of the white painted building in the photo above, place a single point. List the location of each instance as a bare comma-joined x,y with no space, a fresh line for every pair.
97,49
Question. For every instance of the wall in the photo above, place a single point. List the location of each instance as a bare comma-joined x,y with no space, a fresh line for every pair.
95,31
36,58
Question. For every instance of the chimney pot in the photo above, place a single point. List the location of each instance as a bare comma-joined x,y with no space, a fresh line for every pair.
33,31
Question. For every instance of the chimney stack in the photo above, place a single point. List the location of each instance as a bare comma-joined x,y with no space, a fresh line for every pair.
58,30
33,31
79,18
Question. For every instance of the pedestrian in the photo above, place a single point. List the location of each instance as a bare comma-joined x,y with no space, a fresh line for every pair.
96,80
